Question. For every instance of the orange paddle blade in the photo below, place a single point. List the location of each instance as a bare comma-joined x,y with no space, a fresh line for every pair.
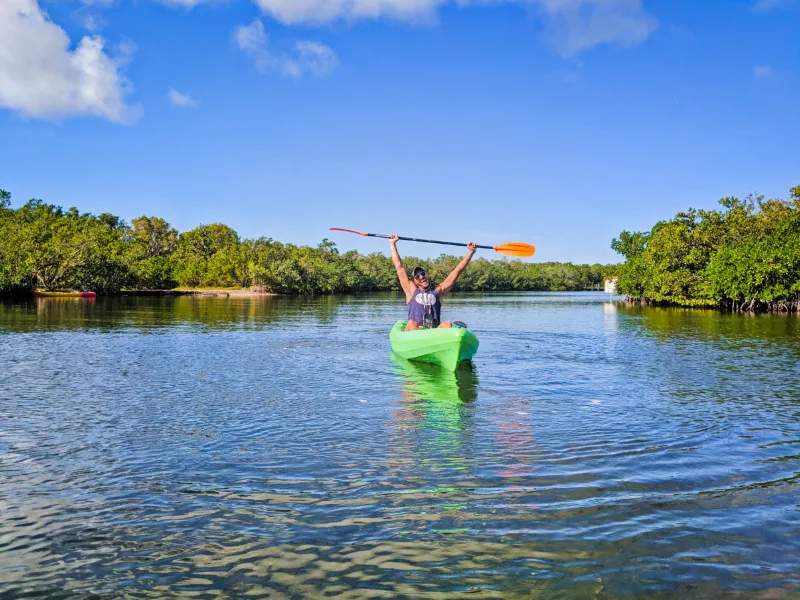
515,249
348,230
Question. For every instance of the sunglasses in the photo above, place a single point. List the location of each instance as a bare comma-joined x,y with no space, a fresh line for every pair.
421,274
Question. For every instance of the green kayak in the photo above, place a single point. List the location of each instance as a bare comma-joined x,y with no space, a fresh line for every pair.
445,347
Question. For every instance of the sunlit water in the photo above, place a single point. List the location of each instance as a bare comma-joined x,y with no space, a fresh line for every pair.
273,447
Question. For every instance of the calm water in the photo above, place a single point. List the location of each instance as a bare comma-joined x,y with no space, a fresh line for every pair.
272,447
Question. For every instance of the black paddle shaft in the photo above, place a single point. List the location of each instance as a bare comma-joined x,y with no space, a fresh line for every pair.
408,239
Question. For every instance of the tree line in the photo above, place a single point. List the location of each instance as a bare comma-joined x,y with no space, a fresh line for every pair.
44,246
744,257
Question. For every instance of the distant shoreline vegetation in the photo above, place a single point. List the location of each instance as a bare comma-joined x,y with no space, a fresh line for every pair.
46,247
744,258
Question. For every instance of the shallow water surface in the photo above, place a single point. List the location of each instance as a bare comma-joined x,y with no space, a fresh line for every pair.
273,447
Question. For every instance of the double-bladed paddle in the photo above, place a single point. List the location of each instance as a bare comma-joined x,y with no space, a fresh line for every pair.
510,249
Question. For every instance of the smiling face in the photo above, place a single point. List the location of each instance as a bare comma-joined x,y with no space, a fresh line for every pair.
421,280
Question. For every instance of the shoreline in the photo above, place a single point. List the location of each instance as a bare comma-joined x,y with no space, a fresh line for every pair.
774,307
237,293
202,292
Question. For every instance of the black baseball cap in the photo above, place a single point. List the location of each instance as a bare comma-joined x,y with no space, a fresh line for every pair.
418,270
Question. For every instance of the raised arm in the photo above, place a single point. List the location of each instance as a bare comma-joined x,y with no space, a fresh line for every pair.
408,286
450,281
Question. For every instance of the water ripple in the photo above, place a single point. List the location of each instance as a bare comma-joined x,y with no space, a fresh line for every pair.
273,448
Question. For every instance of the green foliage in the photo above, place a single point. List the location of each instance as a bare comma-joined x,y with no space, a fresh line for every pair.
196,249
630,245
105,262
746,256
155,236
12,275
42,245
205,241
53,243
153,273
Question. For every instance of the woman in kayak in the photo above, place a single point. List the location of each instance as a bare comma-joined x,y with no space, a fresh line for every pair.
424,304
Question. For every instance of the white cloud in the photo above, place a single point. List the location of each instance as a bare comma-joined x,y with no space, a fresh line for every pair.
307,57
317,12
251,38
188,4
762,5
181,100
316,58
571,26
763,71
42,77
93,23
125,50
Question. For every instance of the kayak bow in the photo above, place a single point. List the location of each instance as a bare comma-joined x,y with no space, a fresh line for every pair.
445,347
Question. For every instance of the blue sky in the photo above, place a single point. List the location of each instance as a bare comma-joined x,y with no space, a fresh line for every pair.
553,122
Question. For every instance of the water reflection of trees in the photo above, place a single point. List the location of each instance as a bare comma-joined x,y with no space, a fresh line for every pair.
693,323
148,312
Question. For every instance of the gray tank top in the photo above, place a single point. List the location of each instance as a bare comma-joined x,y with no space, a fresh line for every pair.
425,308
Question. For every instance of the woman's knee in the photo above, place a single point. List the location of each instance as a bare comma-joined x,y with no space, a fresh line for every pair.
412,325
446,324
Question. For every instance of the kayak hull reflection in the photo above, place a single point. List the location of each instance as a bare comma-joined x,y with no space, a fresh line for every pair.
425,382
